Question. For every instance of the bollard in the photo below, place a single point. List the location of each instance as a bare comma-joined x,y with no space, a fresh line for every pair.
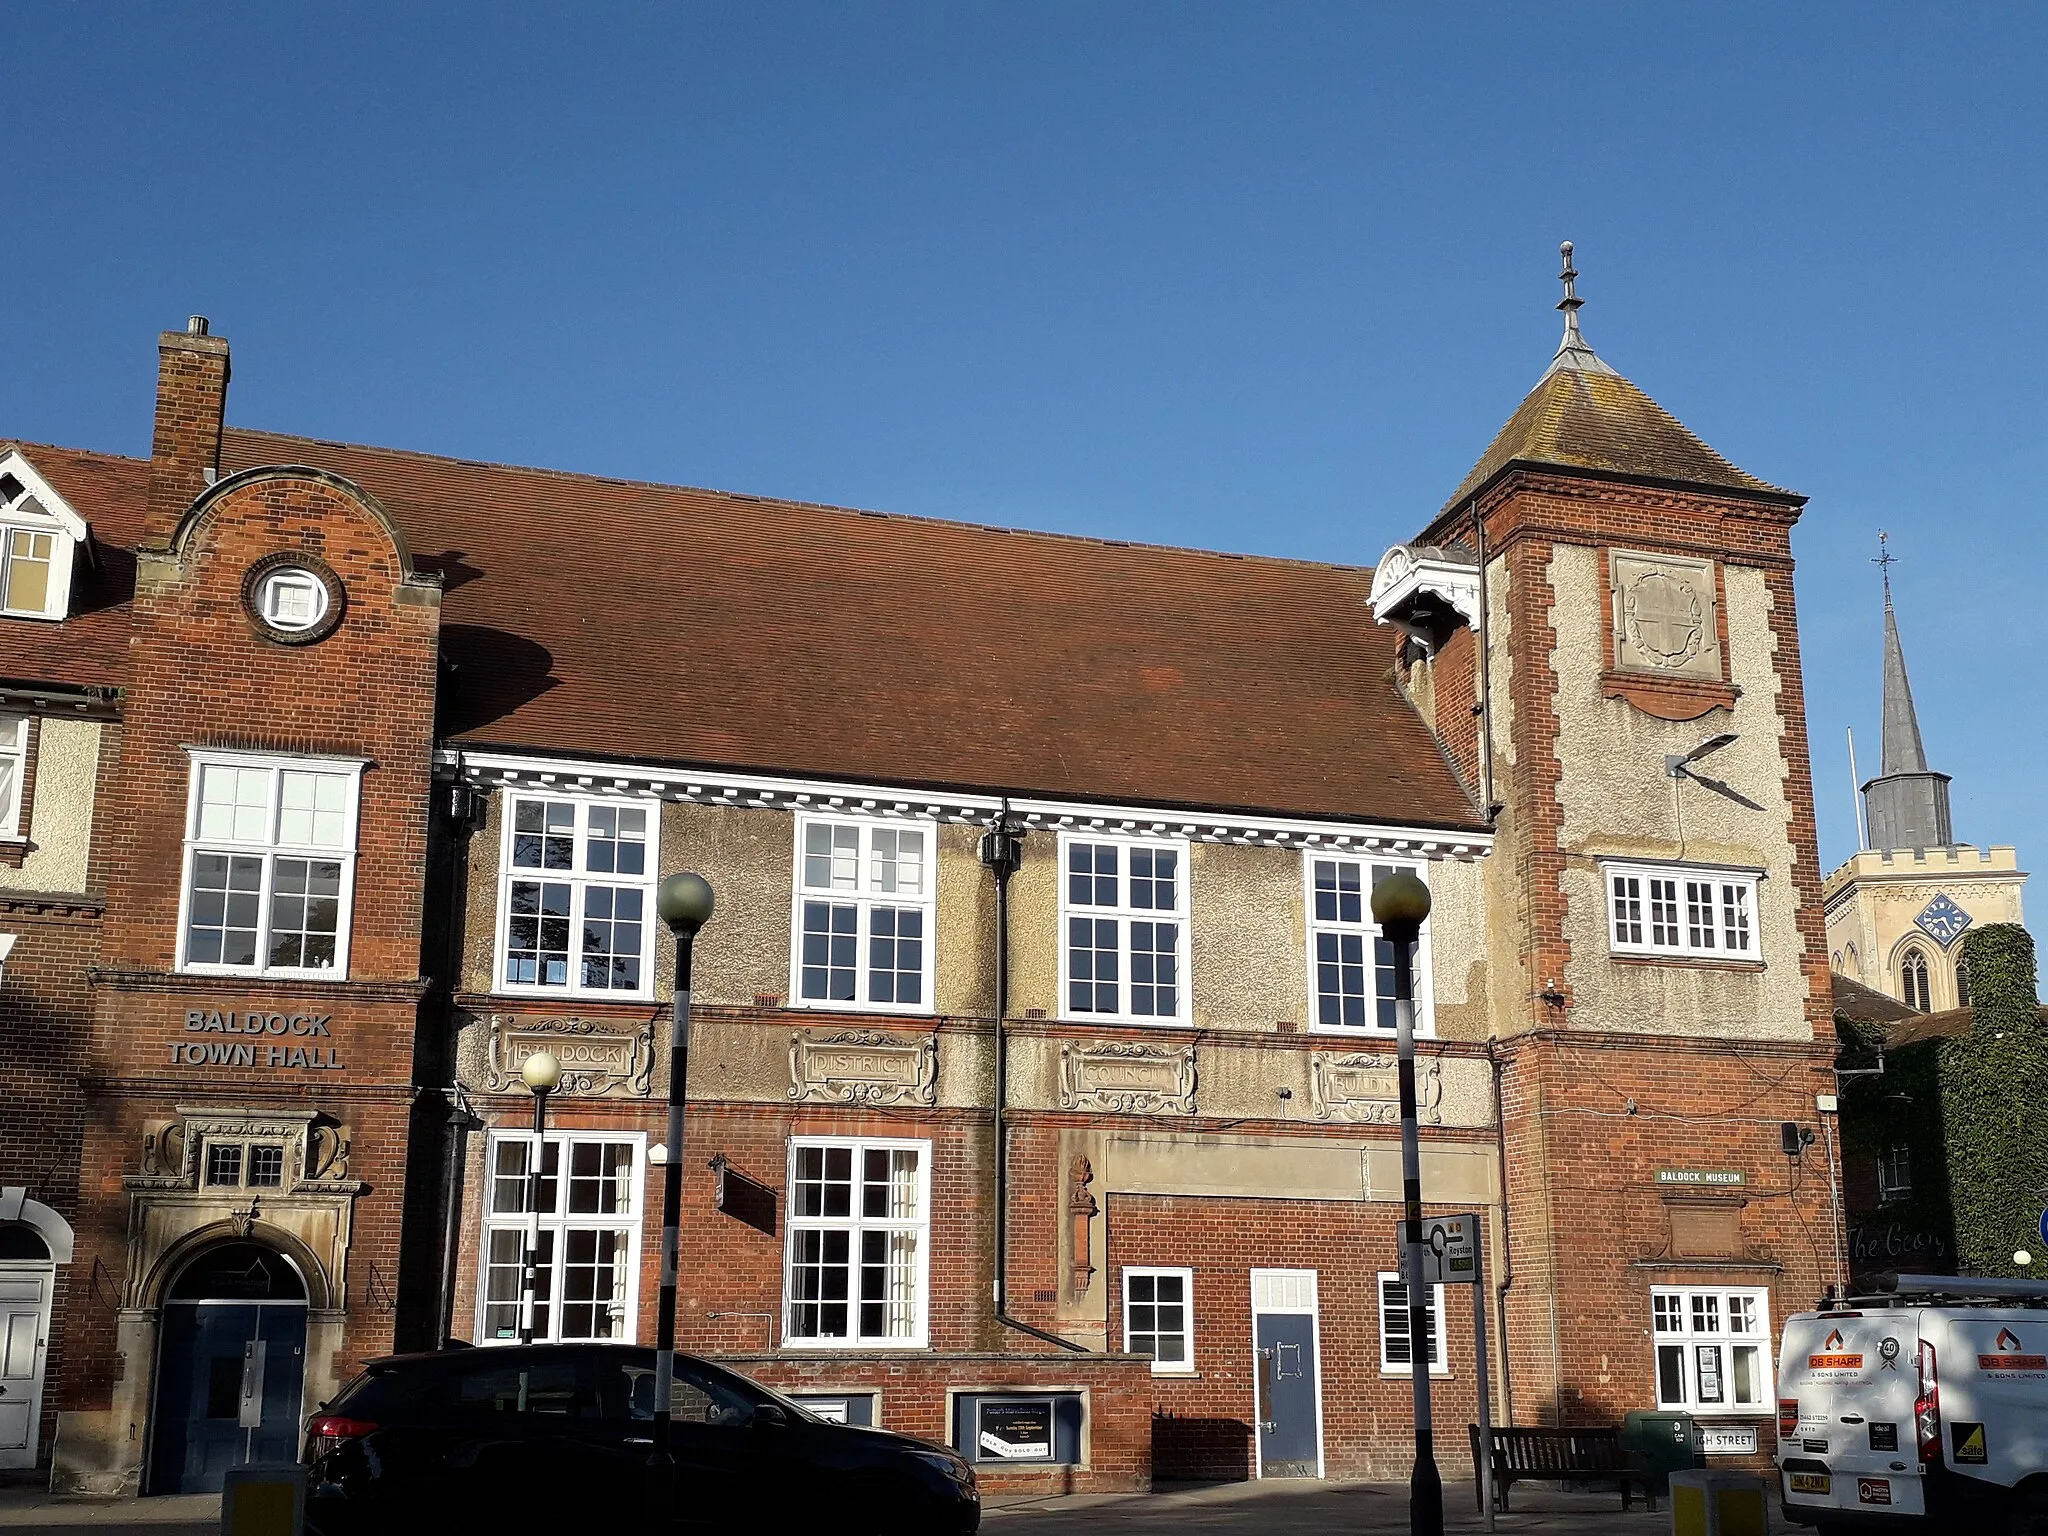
1718,1504
266,1499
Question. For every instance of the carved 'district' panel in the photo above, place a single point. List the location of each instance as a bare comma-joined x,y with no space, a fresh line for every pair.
863,1066
1365,1089
1127,1077
598,1059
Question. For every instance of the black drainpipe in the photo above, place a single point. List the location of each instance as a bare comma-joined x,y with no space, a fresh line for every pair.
1002,850
1507,1259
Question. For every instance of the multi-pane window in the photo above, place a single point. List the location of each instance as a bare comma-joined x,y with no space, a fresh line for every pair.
589,1240
1159,1317
1397,1348
863,920
859,1224
13,772
269,860
1712,1349
578,896
1895,1172
1123,913
1652,911
238,1164
1351,968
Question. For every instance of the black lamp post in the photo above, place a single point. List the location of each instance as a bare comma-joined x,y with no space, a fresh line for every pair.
684,902
1399,904
542,1074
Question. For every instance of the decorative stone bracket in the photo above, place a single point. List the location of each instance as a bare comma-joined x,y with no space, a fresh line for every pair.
1127,1077
598,1060
863,1066
1365,1089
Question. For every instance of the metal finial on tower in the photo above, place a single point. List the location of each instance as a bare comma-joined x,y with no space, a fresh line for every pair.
1884,561
1572,352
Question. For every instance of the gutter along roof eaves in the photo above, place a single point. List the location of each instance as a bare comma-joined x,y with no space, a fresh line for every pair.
726,786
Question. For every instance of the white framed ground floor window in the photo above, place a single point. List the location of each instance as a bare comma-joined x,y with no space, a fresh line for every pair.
1713,1347
859,1252
587,1281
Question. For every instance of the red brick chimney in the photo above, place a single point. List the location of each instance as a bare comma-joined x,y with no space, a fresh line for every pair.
191,397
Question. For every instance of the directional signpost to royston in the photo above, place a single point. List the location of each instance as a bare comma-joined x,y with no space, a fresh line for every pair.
1450,1255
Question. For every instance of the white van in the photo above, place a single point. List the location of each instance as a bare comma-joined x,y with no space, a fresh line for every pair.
1923,1408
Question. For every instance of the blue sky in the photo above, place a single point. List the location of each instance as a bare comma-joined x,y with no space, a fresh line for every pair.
1260,277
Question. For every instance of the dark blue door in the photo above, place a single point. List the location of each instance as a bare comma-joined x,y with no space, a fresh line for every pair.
206,1369
1287,1394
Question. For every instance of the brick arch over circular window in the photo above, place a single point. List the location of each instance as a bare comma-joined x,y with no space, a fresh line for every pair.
195,513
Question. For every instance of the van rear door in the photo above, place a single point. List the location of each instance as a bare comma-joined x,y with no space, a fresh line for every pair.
1845,1428
1993,1370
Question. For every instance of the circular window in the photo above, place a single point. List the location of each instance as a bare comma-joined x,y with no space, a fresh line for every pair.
294,598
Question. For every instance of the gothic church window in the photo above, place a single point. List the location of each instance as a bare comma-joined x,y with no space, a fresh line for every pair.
1913,987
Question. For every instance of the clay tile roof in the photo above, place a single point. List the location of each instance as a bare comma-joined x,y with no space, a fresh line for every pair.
658,623
1578,418
90,648
1853,1000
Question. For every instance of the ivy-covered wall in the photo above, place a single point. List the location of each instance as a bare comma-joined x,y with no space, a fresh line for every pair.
1913,1235
1994,1107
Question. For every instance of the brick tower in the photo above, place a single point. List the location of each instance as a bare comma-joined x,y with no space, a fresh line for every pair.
1657,978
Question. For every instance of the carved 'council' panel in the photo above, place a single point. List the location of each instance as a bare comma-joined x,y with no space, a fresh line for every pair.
1127,1077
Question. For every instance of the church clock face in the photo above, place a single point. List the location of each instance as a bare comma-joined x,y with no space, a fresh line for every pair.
1664,618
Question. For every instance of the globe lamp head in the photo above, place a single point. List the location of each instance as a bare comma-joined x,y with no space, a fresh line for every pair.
542,1072
1400,903
684,902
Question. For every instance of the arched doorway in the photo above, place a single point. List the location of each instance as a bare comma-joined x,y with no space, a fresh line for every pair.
28,1279
230,1368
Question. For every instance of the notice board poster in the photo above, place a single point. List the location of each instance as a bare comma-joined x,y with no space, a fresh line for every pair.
1014,1429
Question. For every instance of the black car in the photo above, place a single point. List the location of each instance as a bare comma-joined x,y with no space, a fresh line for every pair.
553,1437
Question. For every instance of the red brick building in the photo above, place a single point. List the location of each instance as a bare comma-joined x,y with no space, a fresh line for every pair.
341,779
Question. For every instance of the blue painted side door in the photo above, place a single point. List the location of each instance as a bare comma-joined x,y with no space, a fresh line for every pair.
1287,1395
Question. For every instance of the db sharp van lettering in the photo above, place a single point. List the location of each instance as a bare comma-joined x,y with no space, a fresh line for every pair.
2012,1358
1830,1360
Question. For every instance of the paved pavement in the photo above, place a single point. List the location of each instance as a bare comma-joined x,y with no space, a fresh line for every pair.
1299,1508
1216,1509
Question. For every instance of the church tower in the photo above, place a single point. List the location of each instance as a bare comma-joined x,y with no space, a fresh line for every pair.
1898,909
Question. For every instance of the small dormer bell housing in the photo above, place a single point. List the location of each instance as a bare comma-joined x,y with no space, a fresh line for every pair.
1427,591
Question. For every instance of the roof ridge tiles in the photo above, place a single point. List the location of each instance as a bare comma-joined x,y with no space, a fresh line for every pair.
758,499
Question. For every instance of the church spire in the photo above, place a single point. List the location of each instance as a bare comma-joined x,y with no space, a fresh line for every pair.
1907,803
1573,352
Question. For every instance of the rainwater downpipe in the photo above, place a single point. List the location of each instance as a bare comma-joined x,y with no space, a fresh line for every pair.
1484,703
1002,849
1507,1252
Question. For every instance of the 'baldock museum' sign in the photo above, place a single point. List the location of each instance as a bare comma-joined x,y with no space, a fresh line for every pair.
280,1047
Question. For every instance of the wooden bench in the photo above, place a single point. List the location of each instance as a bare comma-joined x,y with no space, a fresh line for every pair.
1556,1455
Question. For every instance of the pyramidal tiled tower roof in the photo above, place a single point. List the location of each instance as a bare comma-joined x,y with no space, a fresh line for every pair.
1584,415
